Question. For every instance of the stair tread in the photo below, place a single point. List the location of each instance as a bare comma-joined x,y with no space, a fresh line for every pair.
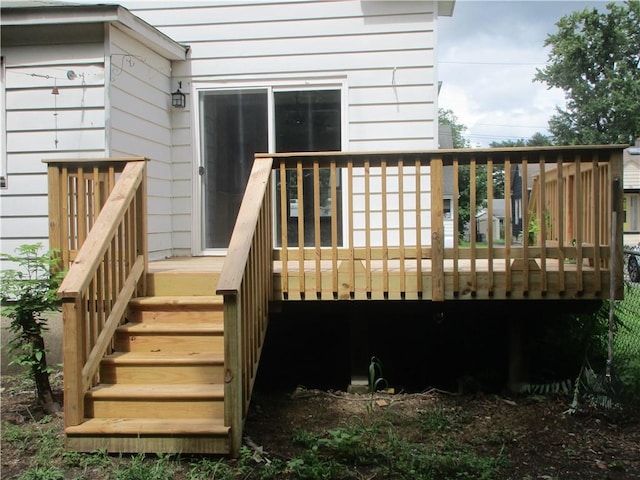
150,391
161,358
185,327
151,426
178,301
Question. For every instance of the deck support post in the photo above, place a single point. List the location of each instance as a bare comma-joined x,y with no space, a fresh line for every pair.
517,368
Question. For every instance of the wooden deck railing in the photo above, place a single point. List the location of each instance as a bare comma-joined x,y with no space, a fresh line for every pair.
374,225
246,281
106,272
78,189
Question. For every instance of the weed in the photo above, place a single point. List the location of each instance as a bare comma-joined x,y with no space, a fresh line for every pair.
139,468
207,469
42,473
87,461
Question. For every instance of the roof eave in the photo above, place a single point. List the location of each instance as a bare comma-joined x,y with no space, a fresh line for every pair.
117,15
445,8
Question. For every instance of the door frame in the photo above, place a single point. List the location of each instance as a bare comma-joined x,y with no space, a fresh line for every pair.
297,84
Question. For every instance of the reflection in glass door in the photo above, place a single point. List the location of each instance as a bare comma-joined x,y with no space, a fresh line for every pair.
307,121
234,127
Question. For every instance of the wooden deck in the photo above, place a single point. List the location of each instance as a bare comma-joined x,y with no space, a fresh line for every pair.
491,283
347,227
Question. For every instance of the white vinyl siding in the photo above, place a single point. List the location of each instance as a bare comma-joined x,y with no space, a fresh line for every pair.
140,125
41,126
383,51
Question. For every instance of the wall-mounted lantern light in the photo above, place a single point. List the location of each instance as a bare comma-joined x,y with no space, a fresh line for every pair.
178,98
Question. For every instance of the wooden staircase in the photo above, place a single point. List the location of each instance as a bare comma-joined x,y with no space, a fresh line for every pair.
162,387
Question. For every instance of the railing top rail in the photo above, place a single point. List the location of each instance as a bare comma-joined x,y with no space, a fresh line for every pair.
99,238
514,154
77,161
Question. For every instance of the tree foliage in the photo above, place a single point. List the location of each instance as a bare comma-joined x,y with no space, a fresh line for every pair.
595,59
447,117
537,140
27,293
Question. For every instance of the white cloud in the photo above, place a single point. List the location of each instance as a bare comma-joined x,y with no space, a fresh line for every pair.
488,55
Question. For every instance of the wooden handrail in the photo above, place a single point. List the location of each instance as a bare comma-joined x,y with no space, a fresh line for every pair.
106,273
241,240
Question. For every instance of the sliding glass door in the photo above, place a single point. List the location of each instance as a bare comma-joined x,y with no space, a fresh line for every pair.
234,125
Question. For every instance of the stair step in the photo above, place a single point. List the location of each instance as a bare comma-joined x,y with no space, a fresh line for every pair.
182,338
159,392
182,283
177,309
160,359
177,328
155,401
162,368
178,301
149,426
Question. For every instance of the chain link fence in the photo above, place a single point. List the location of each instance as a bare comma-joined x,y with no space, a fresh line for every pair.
627,334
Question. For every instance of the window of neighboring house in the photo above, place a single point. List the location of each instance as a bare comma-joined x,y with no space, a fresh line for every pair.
447,209
632,212
3,127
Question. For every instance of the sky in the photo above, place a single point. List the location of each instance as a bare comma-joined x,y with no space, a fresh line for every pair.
488,55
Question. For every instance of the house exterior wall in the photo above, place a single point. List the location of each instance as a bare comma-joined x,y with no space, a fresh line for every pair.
631,186
139,124
42,126
384,52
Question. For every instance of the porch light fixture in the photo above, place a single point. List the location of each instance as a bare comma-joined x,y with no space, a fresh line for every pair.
178,98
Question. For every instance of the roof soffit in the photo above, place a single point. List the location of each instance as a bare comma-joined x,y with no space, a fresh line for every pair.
116,15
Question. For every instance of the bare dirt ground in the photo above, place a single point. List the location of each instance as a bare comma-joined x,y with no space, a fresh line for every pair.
532,435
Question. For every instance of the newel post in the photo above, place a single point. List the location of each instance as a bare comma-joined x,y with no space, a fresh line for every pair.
73,360
437,231
233,396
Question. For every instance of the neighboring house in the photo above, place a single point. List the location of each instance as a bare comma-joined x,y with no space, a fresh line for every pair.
493,226
631,182
258,76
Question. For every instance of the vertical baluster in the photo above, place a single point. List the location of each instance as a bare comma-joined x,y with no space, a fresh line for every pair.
334,228
385,214
543,226
316,227
456,233
301,207
560,221
525,227
472,220
490,226
367,227
508,218
352,262
403,286
577,198
284,234
595,207
418,214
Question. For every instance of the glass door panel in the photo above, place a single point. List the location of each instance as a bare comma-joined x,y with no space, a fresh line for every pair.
308,121
234,126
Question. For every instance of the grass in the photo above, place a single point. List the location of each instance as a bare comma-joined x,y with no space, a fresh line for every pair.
367,444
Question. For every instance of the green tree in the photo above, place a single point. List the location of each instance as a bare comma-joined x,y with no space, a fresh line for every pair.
537,140
595,59
447,117
26,294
